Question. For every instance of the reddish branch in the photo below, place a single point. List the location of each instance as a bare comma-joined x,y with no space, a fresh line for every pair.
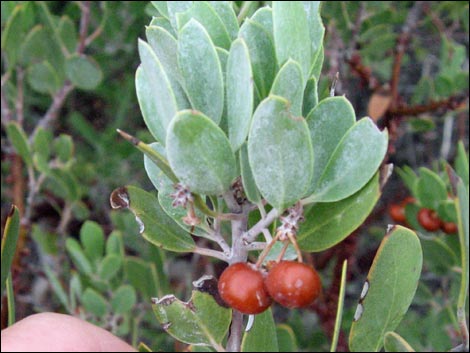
450,103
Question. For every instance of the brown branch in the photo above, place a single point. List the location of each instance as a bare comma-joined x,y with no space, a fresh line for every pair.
451,103
364,72
84,23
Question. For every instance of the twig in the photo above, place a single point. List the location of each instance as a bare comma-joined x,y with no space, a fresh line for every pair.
251,234
19,103
236,329
84,21
450,103
7,114
210,252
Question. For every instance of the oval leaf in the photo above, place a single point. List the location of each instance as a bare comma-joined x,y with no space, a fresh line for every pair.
124,298
83,72
201,321
289,84
354,161
43,78
280,153
78,256
389,289
155,225
109,267
156,98
262,336
201,70
326,224
430,189
94,302
92,238
328,122
291,34
239,93
200,153
19,140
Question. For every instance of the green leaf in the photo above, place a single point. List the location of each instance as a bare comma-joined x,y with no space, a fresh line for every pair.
291,33
175,7
64,184
142,276
200,154
201,321
163,23
114,244
280,153
286,339
328,123
162,8
56,286
83,71
68,33
63,147
340,305
9,239
289,84
12,35
165,47
310,97
262,55
354,161
43,78
262,337
124,298
94,303
109,267
388,291
155,225
430,189
317,32
264,17
461,204
393,342
239,93
225,11
42,142
19,140
78,257
328,223
409,177
249,185
156,98
201,70
461,163
206,15
92,239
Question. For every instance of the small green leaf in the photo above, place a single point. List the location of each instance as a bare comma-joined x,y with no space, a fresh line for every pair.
42,142
56,286
142,276
155,225
289,84
92,238
200,153
239,93
461,163
156,98
205,14
12,36
225,11
389,290
328,223
430,189
310,97
83,71
354,161
9,240
249,185
201,321
280,153
68,33
19,140
393,342
43,78
291,34
64,184
262,337
262,55
124,298
114,244
201,70
109,267
286,339
94,303
409,177
78,256
63,147
328,122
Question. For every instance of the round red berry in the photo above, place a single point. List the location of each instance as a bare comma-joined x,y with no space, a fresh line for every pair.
397,212
293,284
449,227
429,219
242,288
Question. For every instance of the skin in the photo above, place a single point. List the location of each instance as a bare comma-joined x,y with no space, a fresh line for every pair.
50,332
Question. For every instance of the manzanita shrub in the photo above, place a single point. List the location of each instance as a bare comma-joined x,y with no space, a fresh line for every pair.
248,158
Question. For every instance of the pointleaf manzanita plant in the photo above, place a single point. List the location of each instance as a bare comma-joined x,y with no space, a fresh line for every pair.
242,145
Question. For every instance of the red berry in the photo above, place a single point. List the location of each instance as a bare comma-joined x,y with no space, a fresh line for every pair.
397,212
242,288
449,227
429,219
293,284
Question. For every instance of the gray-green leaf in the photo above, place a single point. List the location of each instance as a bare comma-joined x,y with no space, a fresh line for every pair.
200,153
239,93
388,291
201,69
289,84
280,153
83,71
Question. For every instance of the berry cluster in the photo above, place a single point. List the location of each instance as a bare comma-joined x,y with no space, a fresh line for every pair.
427,218
246,288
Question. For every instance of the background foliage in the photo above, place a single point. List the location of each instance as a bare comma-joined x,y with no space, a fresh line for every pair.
405,64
